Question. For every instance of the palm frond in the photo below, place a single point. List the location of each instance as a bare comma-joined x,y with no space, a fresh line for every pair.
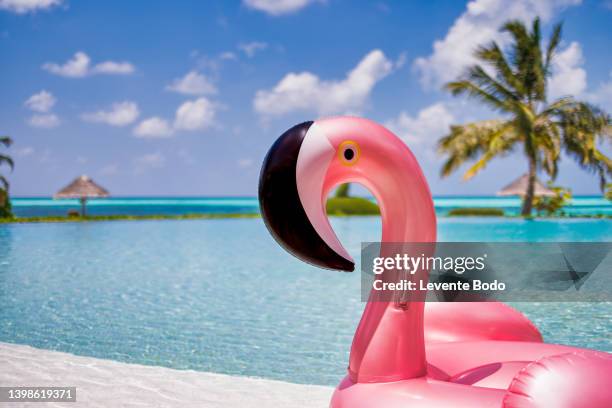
6,141
500,143
4,182
526,58
473,91
581,118
537,65
521,42
536,35
553,43
494,56
603,167
517,29
480,140
583,126
8,160
560,104
547,142
477,75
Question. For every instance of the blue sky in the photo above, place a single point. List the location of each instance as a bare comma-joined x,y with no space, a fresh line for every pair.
184,98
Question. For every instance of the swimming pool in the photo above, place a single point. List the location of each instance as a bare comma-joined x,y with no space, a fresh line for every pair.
222,296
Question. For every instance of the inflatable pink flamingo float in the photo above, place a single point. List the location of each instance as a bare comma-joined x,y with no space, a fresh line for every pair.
408,355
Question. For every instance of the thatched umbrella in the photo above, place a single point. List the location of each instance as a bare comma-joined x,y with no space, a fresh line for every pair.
82,188
519,188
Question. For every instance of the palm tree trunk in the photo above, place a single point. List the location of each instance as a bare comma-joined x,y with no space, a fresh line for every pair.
343,190
528,200
5,204
83,204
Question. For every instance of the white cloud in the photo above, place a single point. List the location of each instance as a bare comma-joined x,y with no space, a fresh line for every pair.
251,48
80,66
23,152
109,170
149,161
569,78
113,68
306,91
214,64
76,67
244,163
278,7
228,55
154,127
41,102
427,126
401,60
195,115
478,25
120,114
47,120
27,6
193,83
602,96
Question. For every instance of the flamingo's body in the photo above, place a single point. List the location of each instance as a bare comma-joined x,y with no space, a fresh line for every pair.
453,355
479,321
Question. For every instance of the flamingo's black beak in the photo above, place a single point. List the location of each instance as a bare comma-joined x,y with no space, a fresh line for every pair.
282,210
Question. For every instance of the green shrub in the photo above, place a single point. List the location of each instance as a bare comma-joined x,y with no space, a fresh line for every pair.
479,212
351,206
88,218
552,205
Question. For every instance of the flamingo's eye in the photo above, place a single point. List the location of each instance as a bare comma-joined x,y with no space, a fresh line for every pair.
349,153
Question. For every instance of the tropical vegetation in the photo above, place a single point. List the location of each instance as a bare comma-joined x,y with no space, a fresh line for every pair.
343,204
513,82
351,206
5,203
343,190
476,212
124,217
553,205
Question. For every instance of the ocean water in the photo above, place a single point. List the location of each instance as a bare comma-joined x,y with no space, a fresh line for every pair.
222,296
28,207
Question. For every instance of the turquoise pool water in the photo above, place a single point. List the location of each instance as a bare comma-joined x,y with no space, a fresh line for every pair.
28,207
221,296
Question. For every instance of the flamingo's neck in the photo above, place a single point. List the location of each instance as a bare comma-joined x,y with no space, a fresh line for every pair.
389,342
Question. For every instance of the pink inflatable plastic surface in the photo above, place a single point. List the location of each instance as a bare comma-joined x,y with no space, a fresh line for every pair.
412,355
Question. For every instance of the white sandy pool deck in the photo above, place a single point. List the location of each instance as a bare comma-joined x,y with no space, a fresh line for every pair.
106,383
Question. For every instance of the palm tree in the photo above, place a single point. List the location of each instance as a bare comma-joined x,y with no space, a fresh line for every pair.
5,209
342,190
514,83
